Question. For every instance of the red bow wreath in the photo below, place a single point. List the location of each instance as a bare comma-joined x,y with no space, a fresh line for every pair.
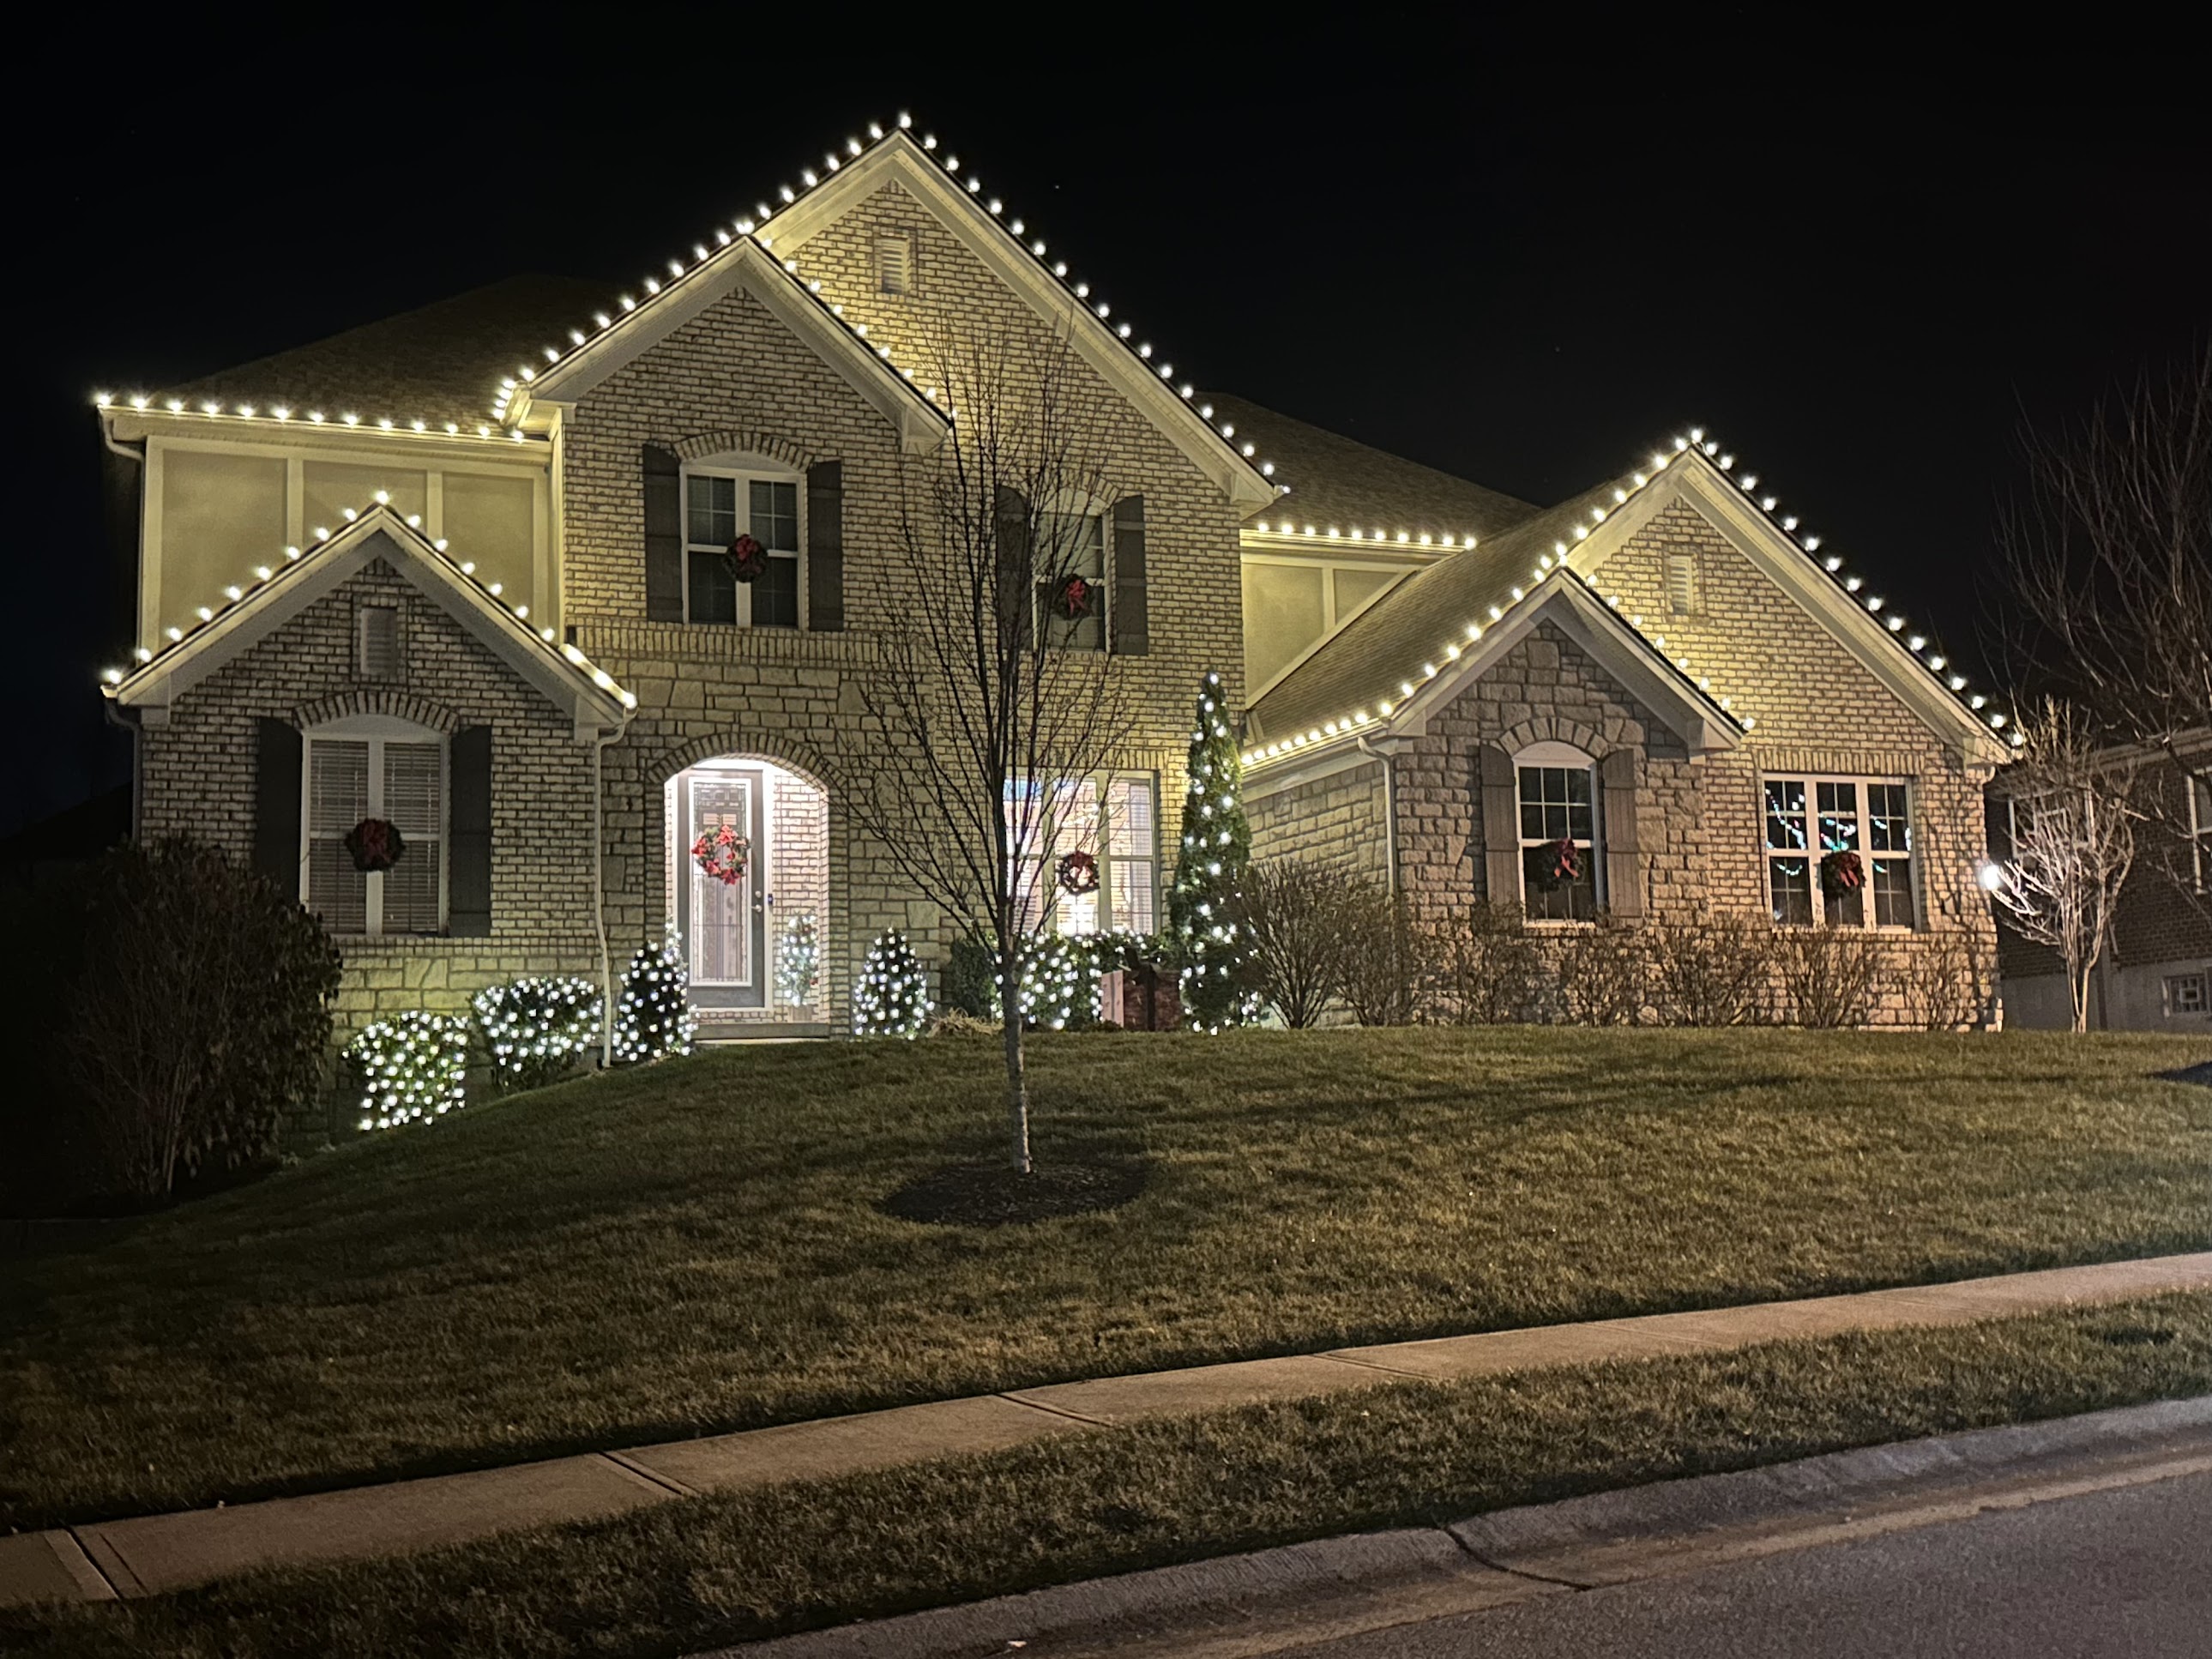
748,558
1841,872
1075,598
375,844
721,854
1562,863
1078,873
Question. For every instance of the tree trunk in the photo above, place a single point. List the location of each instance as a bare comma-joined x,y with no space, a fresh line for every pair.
1018,1086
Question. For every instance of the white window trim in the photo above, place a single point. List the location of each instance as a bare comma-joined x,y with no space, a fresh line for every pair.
2199,791
1812,781
1554,753
377,730
1074,506
745,470
2170,1001
1043,856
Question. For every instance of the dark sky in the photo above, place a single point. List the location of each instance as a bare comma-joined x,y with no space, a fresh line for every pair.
1525,257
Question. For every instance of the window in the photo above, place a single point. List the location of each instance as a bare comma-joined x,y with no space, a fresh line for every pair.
1071,563
1118,824
376,655
893,264
1809,819
373,767
1557,806
2185,994
718,507
1682,583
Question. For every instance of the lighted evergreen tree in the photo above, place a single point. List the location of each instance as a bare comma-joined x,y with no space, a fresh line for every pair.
892,996
1217,845
798,961
653,1016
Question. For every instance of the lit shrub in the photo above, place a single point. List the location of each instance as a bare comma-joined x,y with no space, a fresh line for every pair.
892,996
1060,982
798,962
535,1031
654,1017
411,1068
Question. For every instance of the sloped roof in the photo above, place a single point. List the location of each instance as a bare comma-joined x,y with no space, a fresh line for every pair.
1339,481
1391,640
438,363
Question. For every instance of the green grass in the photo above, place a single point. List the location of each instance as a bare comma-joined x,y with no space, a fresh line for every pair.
696,1247
705,1571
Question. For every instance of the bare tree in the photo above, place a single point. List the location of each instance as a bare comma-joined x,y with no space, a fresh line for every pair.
996,696
2109,585
2073,817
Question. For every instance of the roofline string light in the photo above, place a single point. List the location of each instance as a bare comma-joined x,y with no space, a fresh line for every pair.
755,227
1552,564
282,414
146,657
1290,530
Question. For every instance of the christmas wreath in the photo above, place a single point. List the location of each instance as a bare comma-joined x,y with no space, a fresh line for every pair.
1562,865
721,854
1078,873
748,558
1076,597
375,844
1841,872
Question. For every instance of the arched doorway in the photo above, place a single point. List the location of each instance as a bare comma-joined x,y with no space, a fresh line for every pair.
748,892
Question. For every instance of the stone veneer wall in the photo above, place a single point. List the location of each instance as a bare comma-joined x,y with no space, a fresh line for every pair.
1339,820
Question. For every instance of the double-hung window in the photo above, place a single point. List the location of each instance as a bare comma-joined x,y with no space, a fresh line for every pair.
1558,838
367,770
718,508
1839,852
1115,823
1071,566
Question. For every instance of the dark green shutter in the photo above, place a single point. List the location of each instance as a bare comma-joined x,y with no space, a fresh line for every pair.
825,547
276,754
664,535
1501,826
1617,773
468,836
1130,618
1017,602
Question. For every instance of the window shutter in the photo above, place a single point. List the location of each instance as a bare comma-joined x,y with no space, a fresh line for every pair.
1132,623
1501,826
276,750
1017,602
468,836
664,535
1617,776
825,547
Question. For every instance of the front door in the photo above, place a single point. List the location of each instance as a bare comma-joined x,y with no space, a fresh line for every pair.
724,923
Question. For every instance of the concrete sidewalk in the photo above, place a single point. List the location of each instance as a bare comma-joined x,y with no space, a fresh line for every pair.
149,1554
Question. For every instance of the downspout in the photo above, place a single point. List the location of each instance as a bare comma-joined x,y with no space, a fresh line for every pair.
1389,811
600,893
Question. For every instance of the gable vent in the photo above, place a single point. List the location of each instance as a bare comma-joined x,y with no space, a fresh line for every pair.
377,642
893,264
1682,584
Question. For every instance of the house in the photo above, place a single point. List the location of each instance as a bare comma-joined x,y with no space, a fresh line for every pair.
466,571
2155,973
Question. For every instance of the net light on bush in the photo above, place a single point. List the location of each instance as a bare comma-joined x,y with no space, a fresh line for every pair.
412,1068
534,1029
653,1016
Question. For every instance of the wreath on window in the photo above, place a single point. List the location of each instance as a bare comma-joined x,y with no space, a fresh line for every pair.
1076,597
721,854
1562,865
1841,872
748,558
1077,872
375,844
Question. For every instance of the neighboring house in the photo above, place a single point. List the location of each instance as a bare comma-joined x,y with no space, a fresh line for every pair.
464,570
2156,973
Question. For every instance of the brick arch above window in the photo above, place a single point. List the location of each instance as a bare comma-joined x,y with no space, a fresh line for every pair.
1554,728
708,444
399,705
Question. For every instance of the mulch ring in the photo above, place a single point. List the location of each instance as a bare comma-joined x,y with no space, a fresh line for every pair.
993,1196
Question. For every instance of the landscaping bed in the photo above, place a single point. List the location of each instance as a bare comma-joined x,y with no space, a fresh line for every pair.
705,1244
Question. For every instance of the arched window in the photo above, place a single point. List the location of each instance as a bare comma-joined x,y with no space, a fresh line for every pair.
365,768
1559,843
726,496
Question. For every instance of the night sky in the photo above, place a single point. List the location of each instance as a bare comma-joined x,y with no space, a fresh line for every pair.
1526,258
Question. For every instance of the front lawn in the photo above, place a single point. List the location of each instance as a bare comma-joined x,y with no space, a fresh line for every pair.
696,1247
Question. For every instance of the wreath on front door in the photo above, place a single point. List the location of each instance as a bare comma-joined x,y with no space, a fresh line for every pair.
375,844
1841,872
1076,597
1562,865
748,558
1077,872
722,853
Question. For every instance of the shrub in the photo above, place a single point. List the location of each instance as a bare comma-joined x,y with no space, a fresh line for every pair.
798,961
410,1069
1486,970
534,1030
1827,975
1383,955
653,1016
1060,982
892,996
1719,971
1946,979
971,980
179,1006
1293,912
1604,975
